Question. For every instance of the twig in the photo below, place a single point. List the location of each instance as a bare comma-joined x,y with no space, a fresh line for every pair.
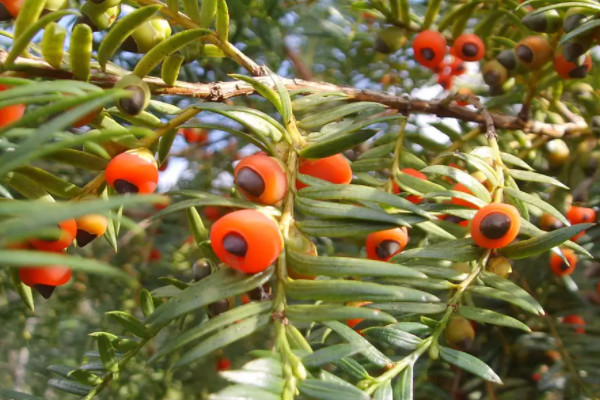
452,305
303,71
490,128
220,91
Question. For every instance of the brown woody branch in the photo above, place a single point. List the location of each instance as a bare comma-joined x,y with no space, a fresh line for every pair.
219,91
303,71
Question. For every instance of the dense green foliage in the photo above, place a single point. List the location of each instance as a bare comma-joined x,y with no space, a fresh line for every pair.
300,80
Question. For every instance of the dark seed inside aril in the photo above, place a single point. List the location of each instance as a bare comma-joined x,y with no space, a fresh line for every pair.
250,182
51,236
381,46
134,104
386,248
201,269
524,53
564,266
123,187
588,217
572,50
454,219
495,225
427,53
130,45
45,290
470,49
492,78
496,90
260,293
579,72
556,225
218,307
4,14
572,22
84,237
466,344
535,22
235,244
507,59
84,19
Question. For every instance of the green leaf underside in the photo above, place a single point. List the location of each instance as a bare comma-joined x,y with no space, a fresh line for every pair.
225,283
328,390
347,266
469,363
344,290
309,313
223,338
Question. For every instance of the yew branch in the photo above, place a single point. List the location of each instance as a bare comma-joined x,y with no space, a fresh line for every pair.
220,91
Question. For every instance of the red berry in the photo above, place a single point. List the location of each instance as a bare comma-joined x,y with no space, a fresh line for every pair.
155,254
13,113
162,204
469,47
223,364
246,240
87,118
383,245
261,179
245,299
459,187
164,165
89,227
533,51
429,48
445,81
454,67
212,213
411,197
45,279
355,321
12,6
134,171
457,67
334,169
559,267
574,319
570,70
68,232
454,219
548,222
580,215
464,91
495,225
194,135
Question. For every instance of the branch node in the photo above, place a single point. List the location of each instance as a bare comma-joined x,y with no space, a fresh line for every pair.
280,316
215,92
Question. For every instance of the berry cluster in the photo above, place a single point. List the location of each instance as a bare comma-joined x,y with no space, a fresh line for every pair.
82,231
571,60
430,50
